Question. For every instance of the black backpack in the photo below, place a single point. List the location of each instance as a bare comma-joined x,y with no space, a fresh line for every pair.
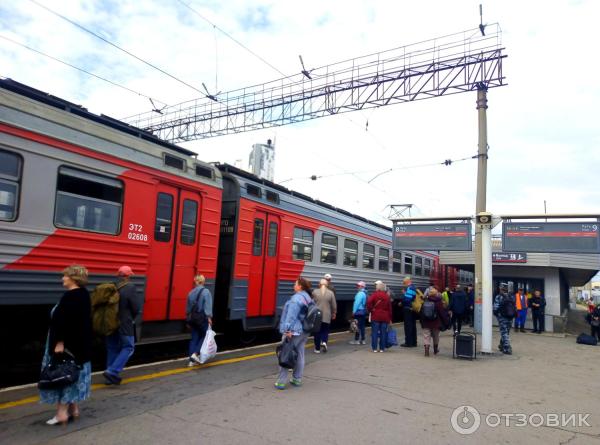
312,320
508,308
428,311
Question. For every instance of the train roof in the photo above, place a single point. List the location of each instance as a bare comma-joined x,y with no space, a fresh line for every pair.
53,101
227,168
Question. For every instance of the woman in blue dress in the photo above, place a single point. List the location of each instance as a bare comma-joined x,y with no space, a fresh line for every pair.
71,331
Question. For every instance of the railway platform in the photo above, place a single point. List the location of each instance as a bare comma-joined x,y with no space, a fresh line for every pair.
350,395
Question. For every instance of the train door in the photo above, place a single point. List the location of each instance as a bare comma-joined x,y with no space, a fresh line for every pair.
185,263
174,253
262,278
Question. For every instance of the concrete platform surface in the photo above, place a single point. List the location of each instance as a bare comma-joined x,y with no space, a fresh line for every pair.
547,393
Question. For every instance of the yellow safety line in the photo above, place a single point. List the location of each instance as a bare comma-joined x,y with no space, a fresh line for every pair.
154,375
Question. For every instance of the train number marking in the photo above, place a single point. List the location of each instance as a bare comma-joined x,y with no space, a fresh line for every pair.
136,233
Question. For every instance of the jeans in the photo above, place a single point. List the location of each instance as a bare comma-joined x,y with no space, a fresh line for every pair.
378,334
521,317
457,321
538,318
362,322
198,335
410,326
299,342
322,336
119,348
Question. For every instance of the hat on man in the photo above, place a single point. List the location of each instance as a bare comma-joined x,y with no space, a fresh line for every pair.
125,271
361,284
327,276
503,286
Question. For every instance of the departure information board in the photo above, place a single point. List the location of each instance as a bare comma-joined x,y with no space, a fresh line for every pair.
551,237
432,236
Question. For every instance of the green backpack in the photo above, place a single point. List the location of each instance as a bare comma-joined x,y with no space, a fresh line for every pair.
105,308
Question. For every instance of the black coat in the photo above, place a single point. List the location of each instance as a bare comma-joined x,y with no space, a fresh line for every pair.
458,302
537,300
71,323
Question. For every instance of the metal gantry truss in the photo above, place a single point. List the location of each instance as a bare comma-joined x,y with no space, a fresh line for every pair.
447,65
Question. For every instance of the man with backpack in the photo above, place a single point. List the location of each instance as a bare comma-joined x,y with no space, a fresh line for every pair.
410,323
121,343
504,310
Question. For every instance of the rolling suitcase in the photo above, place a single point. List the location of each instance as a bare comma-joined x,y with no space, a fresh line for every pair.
465,345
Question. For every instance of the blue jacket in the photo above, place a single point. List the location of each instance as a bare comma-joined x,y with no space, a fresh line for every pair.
360,301
293,313
205,301
409,295
458,302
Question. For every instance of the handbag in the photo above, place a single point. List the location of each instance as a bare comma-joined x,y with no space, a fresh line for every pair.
287,356
59,372
196,318
360,313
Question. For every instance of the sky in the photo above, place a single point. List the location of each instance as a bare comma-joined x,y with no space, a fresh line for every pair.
543,130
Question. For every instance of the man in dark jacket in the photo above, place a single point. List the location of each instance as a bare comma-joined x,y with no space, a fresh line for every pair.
537,303
120,345
458,308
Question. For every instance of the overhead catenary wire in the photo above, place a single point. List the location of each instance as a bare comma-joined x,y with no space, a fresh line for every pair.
231,37
80,69
446,162
129,53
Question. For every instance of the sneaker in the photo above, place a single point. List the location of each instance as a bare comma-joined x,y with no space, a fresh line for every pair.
295,382
191,364
354,342
279,385
194,357
316,351
374,350
324,347
382,350
362,342
110,379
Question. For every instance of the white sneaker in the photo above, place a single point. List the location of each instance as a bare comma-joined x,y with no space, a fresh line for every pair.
324,346
354,342
191,364
317,351
362,342
195,358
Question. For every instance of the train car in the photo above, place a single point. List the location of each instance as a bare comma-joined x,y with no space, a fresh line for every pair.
80,188
271,235
76,187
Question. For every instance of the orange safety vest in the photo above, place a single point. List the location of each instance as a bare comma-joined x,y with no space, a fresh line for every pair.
520,304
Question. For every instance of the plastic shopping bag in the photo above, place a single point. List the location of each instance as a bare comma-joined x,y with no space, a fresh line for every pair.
392,337
287,354
209,346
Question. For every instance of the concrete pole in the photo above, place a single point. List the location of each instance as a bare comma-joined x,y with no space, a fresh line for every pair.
487,303
481,197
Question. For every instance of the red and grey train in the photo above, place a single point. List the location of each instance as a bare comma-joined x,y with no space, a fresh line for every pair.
76,187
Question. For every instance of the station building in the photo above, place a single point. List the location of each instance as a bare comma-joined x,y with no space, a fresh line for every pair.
552,273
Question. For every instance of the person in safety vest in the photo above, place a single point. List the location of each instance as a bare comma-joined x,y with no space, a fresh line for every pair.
521,304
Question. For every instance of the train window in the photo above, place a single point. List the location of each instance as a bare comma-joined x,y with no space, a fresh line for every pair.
272,196
368,256
257,240
10,175
164,217
397,262
427,267
253,190
204,171
408,264
384,259
175,162
188,223
272,246
86,201
329,248
418,265
302,245
350,253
